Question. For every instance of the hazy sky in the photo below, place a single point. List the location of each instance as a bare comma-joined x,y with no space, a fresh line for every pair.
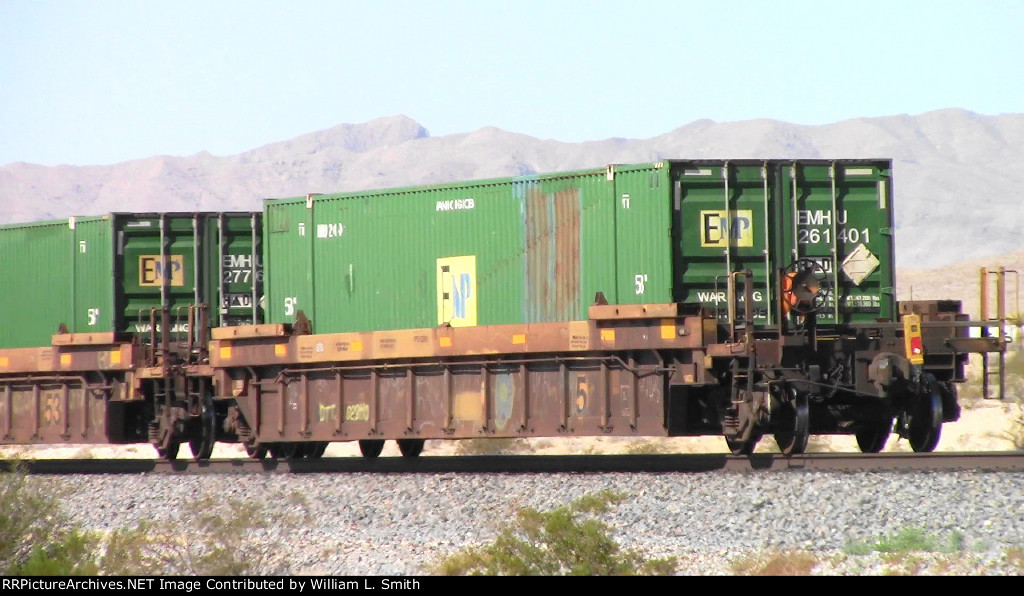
104,81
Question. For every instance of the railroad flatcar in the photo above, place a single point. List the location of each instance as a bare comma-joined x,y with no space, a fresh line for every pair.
687,297
107,314
681,297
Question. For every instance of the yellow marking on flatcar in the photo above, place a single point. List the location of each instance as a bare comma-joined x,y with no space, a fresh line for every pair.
607,335
225,352
65,359
5,361
280,350
445,342
115,357
327,413
468,405
356,346
357,412
519,338
668,329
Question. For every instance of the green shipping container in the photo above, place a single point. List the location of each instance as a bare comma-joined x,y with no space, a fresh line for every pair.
539,248
106,273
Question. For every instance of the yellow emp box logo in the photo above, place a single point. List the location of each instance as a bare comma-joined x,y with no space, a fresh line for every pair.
719,230
153,270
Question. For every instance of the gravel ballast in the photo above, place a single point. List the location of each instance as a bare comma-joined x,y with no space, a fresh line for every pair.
395,524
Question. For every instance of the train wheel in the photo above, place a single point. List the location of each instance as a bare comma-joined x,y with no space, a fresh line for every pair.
295,450
872,438
283,450
316,450
792,424
170,453
741,447
925,424
371,448
202,445
256,450
410,447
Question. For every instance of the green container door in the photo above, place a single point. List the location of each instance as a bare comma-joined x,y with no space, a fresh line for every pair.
157,259
185,259
765,216
839,214
724,225
234,277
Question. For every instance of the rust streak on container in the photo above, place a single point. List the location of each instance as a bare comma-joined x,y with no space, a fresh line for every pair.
552,259
567,255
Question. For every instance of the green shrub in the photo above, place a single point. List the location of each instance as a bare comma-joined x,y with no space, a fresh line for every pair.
33,530
908,540
565,541
214,538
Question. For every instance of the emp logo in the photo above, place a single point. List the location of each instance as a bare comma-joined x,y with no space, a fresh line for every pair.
718,230
153,270
456,291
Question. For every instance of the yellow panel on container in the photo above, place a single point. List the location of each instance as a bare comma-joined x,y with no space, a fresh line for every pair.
456,291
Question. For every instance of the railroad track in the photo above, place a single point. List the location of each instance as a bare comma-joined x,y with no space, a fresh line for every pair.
535,464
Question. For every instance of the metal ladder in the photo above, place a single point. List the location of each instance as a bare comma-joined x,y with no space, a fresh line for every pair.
999,322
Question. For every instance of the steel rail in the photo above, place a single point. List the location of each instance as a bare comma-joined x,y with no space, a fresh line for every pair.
545,464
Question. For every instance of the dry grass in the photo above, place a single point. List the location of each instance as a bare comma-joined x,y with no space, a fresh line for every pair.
493,447
774,563
1015,555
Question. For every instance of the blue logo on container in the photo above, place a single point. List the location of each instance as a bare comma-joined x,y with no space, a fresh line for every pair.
461,292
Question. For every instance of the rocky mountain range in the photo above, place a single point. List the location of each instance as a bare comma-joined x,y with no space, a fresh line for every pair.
957,174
